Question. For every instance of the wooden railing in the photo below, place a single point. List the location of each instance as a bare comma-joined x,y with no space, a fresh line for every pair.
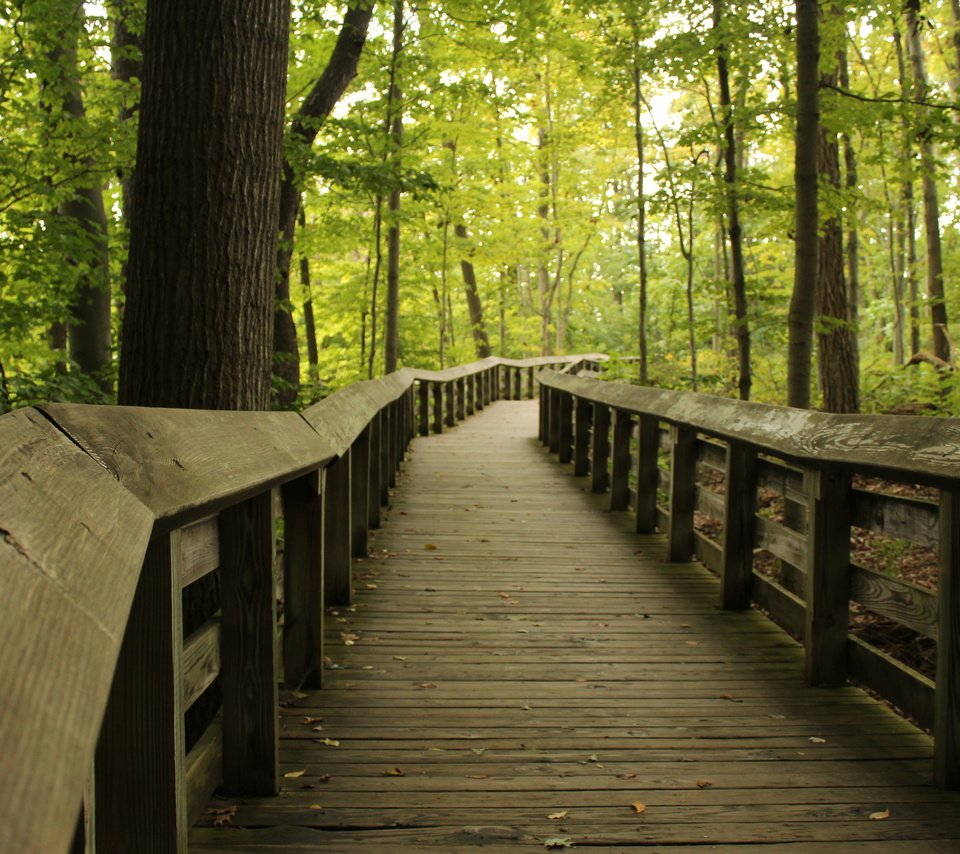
107,514
618,435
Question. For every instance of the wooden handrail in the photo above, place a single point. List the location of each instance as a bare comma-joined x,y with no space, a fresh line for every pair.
810,459
106,513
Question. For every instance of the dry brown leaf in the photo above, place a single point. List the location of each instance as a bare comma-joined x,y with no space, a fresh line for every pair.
704,784
300,695
394,772
318,729
815,739
880,816
222,816
370,586
315,807
325,778
638,807
294,774
556,816
427,685
430,547
626,776
309,719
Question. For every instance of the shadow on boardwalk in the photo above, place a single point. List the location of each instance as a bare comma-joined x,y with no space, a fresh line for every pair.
518,667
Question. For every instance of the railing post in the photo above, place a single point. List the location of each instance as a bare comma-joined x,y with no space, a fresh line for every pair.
683,492
482,378
359,493
600,468
336,532
946,736
517,394
140,797
648,474
566,427
383,484
302,582
248,647
450,395
554,432
373,489
739,526
531,387
620,475
424,394
543,432
581,444
828,577
437,389
393,442
471,394
461,384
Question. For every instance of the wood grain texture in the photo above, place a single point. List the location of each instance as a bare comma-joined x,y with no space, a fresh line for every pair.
182,463
600,450
683,492
201,661
541,657
947,731
71,545
200,549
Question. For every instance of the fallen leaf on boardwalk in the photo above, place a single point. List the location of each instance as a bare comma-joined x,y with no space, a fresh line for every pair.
556,816
626,776
311,720
638,807
704,784
394,772
728,697
430,547
880,816
318,729
692,643
525,708
330,742
325,778
399,658
222,816
814,739
300,695
294,774
504,595
478,750
427,685
684,625
370,586
557,842
315,807
477,776
367,667
593,757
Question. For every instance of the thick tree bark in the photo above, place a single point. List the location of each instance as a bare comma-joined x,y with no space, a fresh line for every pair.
199,317
320,101
474,305
391,335
734,229
931,204
802,301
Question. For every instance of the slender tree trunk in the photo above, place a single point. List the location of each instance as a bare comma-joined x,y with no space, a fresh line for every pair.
931,205
310,327
322,98
543,276
203,238
641,223
802,302
853,233
391,343
474,305
374,298
734,229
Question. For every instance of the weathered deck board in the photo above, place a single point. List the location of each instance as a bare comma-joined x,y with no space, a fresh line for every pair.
517,653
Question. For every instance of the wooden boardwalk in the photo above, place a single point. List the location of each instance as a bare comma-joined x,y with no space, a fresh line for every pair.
519,669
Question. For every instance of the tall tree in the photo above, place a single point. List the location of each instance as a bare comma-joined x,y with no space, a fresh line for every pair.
391,334
198,324
734,229
329,87
802,301
931,203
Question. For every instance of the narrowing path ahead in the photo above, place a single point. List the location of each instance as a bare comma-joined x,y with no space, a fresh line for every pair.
520,670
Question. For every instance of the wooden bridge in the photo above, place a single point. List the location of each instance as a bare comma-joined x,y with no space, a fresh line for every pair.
481,645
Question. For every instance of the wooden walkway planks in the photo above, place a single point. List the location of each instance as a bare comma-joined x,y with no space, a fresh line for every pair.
516,653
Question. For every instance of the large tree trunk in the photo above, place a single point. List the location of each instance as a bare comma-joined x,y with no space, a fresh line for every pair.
322,98
931,205
734,230
198,324
802,301
391,334
474,305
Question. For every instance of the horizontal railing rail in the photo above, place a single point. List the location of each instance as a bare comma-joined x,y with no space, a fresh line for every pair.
719,453
108,514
